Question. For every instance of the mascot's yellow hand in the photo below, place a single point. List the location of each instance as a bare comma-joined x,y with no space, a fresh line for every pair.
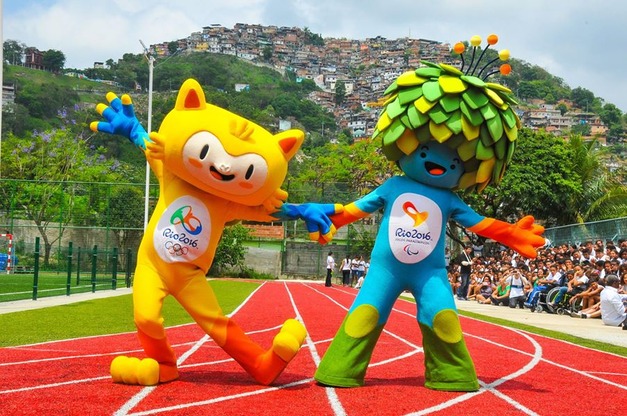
155,147
274,202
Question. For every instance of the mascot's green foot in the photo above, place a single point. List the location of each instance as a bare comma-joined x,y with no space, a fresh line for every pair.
146,372
448,366
289,340
346,361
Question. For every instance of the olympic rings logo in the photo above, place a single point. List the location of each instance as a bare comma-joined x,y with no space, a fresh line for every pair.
176,249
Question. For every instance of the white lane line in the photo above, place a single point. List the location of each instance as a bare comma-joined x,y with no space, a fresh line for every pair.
220,399
54,385
137,398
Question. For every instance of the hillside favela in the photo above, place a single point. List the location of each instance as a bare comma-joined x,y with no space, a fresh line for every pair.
359,71
364,67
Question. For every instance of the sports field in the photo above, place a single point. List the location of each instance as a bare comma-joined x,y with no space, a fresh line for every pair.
520,373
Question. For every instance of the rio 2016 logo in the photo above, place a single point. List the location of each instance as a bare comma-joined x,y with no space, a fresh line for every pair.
418,217
186,218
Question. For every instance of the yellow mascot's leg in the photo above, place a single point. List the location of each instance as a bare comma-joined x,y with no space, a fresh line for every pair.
264,366
148,294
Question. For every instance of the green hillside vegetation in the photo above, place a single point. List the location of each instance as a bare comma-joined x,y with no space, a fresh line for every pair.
40,95
331,172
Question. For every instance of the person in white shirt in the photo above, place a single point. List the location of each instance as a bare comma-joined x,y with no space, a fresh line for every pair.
517,284
612,307
330,267
346,271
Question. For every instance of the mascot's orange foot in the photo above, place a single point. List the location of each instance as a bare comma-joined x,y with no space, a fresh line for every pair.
284,347
146,372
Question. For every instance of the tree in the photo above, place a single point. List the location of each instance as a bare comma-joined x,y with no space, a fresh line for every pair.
340,92
53,60
611,115
267,53
47,100
173,47
603,195
231,251
582,98
339,172
42,163
541,180
123,216
13,52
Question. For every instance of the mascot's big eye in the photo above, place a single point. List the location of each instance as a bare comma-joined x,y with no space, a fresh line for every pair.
249,172
423,154
457,162
204,151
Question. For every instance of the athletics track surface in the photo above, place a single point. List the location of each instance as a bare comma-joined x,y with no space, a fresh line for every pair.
520,373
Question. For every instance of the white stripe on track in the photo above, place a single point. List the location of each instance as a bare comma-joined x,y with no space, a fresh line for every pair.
136,399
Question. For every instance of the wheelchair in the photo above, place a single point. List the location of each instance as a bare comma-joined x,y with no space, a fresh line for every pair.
546,302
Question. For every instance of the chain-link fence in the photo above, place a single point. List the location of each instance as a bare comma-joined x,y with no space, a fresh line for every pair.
84,214
614,230
105,217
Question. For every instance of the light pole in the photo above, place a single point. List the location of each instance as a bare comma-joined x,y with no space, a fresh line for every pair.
151,66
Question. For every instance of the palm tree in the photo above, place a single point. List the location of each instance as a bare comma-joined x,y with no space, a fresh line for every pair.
603,196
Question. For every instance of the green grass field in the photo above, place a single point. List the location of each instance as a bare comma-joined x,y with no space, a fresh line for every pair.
103,316
20,286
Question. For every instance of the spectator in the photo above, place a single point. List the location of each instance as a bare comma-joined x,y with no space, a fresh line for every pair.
361,271
590,296
345,267
330,267
612,308
517,284
474,286
485,290
577,282
464,260
354,270
553,279
454,280
500,296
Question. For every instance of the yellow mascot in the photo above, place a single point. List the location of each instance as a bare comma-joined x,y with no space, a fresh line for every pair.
213,167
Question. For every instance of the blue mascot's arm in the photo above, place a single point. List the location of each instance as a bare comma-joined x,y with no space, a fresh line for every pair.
120,119
323,220
524,237
316,217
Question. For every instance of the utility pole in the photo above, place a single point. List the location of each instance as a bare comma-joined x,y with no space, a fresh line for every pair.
151,66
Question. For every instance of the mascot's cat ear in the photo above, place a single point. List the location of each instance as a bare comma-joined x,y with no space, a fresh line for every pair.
191,96
290,141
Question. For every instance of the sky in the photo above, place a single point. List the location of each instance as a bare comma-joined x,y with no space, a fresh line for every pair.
579,41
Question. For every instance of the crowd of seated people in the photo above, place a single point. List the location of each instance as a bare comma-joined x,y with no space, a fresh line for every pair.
591,277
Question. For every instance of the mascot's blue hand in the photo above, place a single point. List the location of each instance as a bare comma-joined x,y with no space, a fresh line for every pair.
120,119
316,217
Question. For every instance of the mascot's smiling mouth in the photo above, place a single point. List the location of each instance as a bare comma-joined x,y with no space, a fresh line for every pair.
434,169
214,172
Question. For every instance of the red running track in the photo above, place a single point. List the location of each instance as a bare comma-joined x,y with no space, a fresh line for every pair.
520,373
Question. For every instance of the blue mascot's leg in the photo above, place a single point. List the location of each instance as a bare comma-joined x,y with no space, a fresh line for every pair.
346,361
448,365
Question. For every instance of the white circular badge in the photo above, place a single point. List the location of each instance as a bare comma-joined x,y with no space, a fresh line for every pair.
415,227
183,231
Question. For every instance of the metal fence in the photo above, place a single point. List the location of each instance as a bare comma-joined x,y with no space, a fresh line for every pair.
614,230
104,217
86,214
